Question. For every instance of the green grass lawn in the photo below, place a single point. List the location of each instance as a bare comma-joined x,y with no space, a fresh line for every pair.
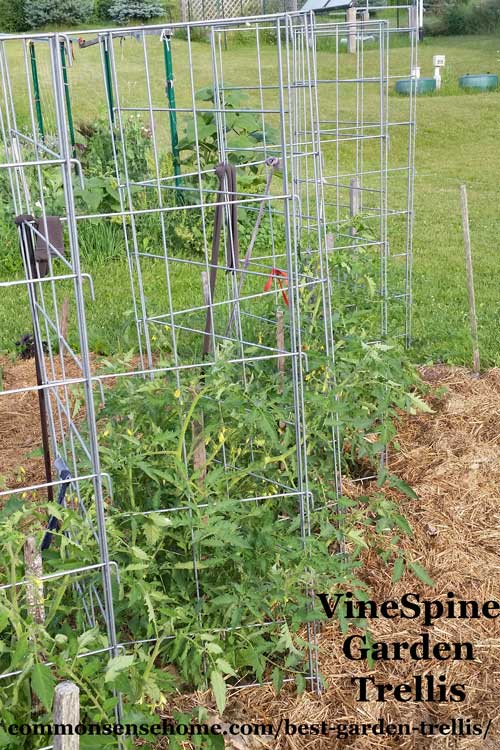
457,143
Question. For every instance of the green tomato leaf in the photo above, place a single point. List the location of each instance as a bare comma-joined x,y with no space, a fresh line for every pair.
419,405
139,553
225,667
160,519
277,677
43,684
214,648
219,689
300,682
398,570
116,665
421,573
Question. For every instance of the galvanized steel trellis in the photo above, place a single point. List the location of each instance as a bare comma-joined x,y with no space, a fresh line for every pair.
331,184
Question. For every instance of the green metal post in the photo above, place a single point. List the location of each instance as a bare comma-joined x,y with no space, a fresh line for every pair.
109,81
174,137
67,97
36,90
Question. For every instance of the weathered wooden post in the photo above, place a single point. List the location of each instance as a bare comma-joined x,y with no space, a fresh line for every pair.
34,587
198,425
354,201
199,448
67,713
280,343
351,30
184,11
470,280
33,571
64,316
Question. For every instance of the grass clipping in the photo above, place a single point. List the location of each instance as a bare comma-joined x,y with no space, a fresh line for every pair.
452,459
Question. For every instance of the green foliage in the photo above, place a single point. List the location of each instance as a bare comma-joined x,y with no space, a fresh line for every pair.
244,133
235,544
43,12
123,11
97,145
196,521
102,8
27,647
12,18
463,17
173,515
198,143
101,242
10,257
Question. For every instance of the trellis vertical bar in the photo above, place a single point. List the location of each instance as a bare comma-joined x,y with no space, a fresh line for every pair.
66,171
410,191
67,97
108,80
286,126
36,90
126,189
174,137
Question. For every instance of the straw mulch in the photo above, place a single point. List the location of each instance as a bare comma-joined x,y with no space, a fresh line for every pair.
452,459
21,457
21,462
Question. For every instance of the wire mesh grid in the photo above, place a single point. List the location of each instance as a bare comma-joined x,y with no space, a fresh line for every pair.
303,155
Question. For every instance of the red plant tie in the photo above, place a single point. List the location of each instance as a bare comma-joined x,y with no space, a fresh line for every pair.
279,275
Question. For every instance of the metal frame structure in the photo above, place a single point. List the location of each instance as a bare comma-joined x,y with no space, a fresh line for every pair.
327,163
361,167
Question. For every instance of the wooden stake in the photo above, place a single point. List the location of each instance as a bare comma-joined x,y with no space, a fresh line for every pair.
199,449
280,343
33,572
67,711
351,30
34,587
205,283
354,201
470,280
64,317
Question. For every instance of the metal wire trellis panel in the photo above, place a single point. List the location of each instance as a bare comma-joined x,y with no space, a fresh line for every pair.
314,181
